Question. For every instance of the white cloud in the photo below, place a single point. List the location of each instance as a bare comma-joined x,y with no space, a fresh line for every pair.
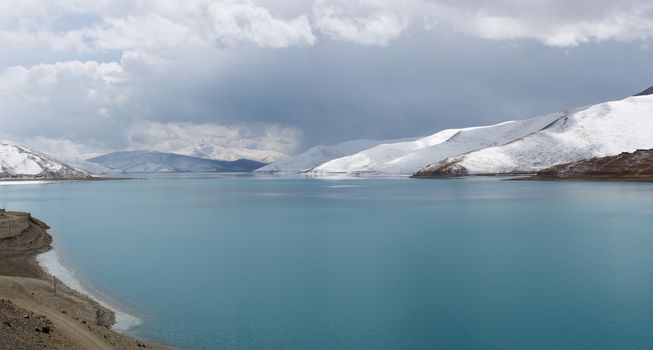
554,23
223,23
149,25
338,20
85,102
71,82
116,72
81,109
241,22
62,41
149,33
61,148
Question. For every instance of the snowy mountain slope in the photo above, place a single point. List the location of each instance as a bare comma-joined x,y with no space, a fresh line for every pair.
597,131
17,162
318,155
146,162
405,158
225,153
92,168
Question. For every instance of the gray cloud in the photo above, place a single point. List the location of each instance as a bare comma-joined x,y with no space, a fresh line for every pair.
79,78
339,91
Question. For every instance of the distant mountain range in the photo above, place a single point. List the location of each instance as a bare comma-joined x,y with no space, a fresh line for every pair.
151,162
229,153
509,148
18,162
317,155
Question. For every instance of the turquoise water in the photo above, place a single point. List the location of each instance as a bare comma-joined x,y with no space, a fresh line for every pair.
241,262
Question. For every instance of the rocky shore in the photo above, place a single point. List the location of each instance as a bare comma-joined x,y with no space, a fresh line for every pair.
35,315
637,166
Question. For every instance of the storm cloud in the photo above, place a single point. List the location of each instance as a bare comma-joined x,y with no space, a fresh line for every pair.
78,78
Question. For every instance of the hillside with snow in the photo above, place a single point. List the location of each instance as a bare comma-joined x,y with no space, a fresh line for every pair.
17,162
318,155
92,168
230,153
597,131
406,158
156,162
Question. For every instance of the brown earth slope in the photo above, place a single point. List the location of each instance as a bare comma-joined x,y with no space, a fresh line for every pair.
32,315
637,166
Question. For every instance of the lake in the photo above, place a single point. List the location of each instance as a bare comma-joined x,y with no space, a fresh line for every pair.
261,262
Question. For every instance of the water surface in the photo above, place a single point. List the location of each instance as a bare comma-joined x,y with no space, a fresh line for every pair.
243,262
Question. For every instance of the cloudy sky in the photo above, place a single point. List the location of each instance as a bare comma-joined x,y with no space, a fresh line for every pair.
266,77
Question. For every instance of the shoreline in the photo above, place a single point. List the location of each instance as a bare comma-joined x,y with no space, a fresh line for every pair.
46,180
50,262
35,315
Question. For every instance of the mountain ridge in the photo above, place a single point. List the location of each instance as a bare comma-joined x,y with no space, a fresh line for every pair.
156,162
646,92
406,158
599,130
317,155
20,163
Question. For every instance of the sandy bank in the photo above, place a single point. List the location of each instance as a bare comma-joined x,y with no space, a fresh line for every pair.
32,316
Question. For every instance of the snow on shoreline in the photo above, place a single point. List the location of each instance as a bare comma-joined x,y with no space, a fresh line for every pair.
23,182
51,263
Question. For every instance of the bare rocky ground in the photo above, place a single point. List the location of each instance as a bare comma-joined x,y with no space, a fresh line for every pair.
32,316
637,166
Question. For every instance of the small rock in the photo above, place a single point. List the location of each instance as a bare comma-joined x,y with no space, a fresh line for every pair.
38,329
45,329
26,316
7,323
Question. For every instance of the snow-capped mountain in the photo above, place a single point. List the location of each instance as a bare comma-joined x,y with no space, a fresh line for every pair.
17,162
318,155
226,153
92,168
149,162
597,131
405,158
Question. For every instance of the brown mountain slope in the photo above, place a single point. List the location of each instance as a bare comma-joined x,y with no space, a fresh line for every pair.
637,166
